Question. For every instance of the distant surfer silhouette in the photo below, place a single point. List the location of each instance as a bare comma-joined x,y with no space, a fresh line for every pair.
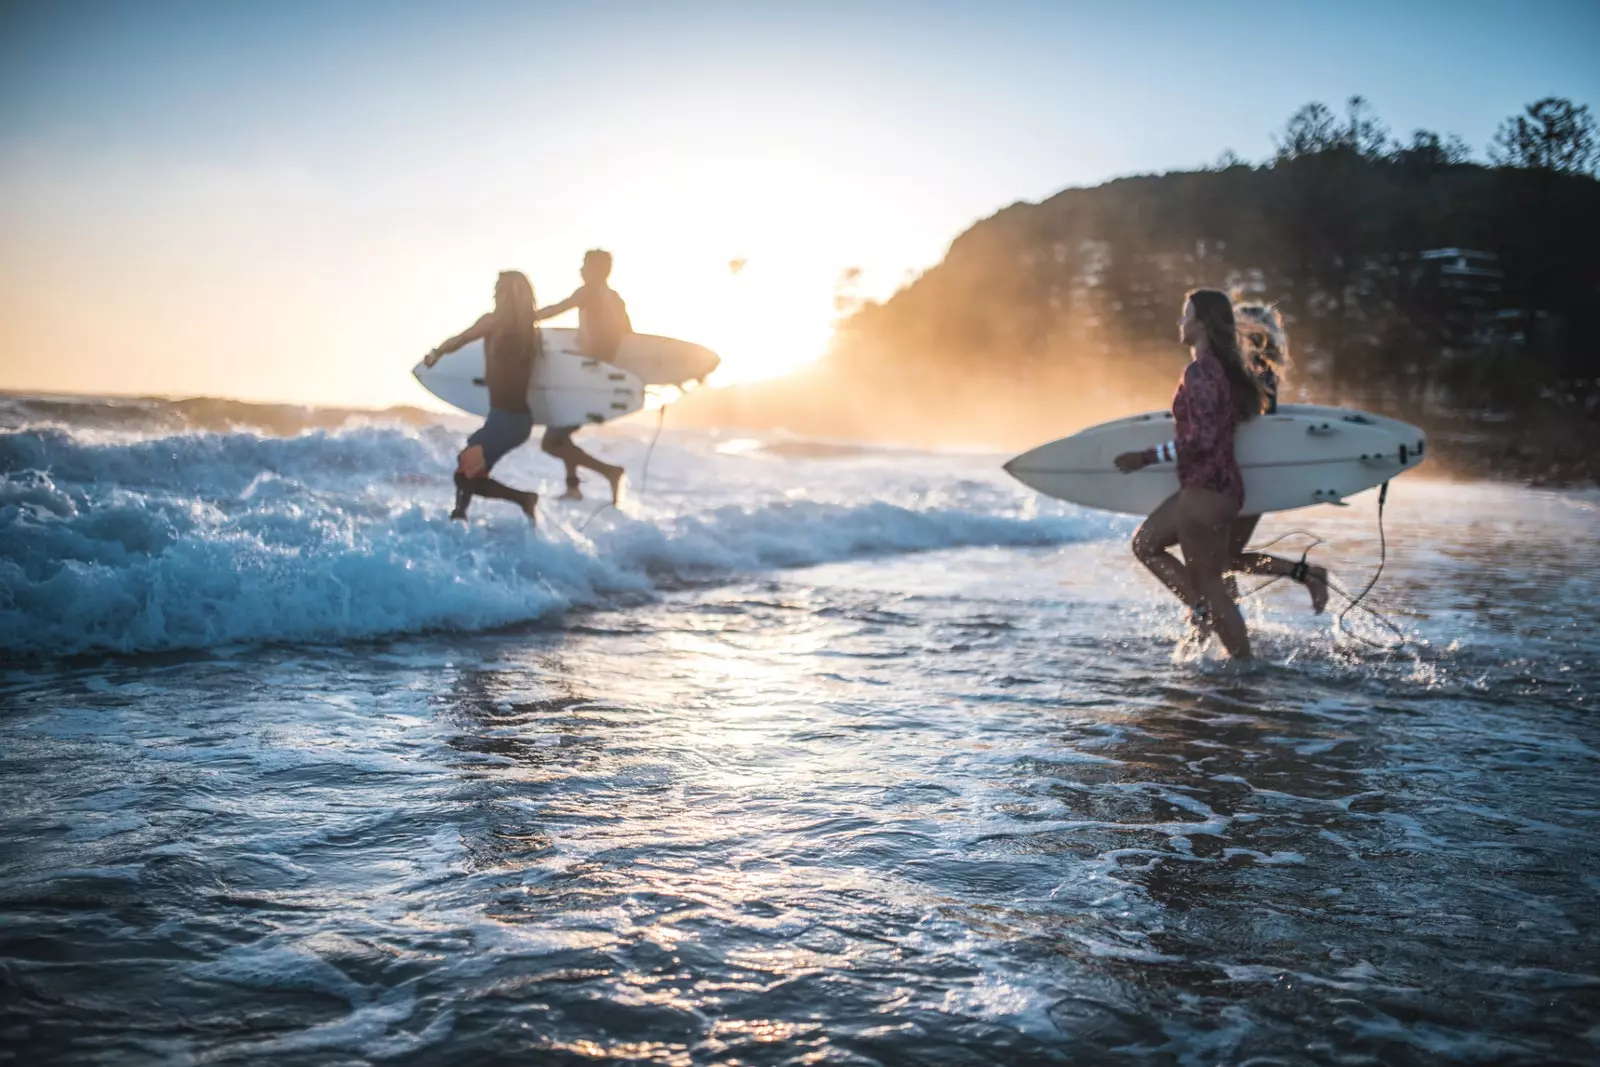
511,343
602,323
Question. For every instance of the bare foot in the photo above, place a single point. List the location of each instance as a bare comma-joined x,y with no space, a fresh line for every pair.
614,476
1231,584
1317,584
572,493
530,507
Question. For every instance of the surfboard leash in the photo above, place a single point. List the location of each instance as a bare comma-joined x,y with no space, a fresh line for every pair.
644,470
1351,602
1383,559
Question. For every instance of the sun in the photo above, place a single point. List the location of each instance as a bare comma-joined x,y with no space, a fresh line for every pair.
773,322
764,319
740,251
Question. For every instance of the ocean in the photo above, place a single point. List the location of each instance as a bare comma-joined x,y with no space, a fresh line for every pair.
812,753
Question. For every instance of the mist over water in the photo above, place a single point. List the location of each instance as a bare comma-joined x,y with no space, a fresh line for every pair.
812,753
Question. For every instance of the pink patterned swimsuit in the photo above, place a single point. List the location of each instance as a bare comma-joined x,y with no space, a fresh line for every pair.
1205,418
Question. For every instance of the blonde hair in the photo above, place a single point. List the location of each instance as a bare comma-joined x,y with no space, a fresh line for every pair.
514,307
1263,336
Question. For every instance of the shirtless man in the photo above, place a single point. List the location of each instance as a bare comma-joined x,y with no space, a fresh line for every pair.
602,322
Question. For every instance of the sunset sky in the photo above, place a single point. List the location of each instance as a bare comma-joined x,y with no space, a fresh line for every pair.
294,201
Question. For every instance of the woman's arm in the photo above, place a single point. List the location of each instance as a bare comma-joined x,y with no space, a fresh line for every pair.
476,332
1129,462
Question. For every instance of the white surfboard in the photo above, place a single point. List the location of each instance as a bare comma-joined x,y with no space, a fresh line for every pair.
564,390
1302,455
656,360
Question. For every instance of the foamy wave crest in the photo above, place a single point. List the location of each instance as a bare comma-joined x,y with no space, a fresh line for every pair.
200,540
158,415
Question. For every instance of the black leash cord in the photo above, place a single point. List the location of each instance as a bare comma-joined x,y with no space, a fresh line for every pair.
1351,602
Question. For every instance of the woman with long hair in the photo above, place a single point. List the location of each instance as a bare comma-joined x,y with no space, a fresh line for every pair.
511,344
1266,344
1217,393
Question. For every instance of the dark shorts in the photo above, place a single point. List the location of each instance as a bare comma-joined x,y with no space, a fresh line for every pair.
500,433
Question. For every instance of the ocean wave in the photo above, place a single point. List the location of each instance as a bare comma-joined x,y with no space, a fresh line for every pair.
199,540
160,415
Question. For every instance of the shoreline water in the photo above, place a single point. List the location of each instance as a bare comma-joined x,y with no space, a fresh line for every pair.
862,812
825,754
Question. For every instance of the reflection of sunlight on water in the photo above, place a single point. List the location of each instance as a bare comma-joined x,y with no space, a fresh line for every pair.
749,668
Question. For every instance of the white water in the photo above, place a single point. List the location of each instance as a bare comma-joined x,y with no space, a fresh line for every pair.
131,542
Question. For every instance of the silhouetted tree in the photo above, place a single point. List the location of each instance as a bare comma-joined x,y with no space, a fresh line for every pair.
1316,130
1428,150
847,298
1364,134
1553,134
1310,130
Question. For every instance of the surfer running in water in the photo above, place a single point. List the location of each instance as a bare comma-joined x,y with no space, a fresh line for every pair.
511,343
602,322
1216,393
1267,344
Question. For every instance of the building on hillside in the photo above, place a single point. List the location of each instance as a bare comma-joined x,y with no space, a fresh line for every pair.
1464,278
1461,290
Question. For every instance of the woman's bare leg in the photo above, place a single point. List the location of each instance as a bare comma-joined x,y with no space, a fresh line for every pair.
472,479
1239,533
1204,525
1315,579
1155,535
1242,562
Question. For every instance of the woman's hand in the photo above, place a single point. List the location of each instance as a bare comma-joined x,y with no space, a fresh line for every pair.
432,357
1129,462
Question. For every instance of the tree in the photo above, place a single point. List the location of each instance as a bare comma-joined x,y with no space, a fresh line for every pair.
1363,133
1315,130
1309,131
1228,160
847,298
1428,150
1553,134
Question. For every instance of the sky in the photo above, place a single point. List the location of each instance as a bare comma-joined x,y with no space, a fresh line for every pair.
293,202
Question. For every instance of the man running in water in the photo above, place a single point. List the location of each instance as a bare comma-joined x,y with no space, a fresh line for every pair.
602,322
